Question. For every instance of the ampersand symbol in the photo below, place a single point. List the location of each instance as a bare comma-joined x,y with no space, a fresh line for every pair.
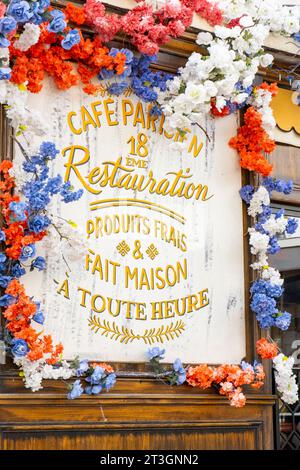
137,250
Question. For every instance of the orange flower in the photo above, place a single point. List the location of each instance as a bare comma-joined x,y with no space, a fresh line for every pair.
200,376
74,14
252,143
104,366
266,349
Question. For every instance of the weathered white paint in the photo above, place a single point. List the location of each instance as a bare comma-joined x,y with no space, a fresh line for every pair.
214,239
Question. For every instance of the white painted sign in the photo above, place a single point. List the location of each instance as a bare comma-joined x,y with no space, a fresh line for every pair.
164,227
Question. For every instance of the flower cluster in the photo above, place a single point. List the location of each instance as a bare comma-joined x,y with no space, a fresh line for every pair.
253,137
47,56
285,379
228,379
34,372
92,379
137,75
25,223
220,80
263,239
149,27
266,349
176,376
36,40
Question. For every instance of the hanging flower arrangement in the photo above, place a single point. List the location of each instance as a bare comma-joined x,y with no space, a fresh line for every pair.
37,40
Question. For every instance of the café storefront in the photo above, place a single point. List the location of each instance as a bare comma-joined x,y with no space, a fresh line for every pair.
160,258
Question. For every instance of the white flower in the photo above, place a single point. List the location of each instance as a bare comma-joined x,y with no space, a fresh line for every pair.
246,21
224,33
240,98
220,103
204,38
285,379
196,93
258,241
272,275
275,226
259,199
28,38
35,371
266,60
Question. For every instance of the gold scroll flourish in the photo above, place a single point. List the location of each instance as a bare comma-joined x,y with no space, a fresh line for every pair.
127,335
115,202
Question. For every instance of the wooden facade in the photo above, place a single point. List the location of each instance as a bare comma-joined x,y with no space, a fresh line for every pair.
137,414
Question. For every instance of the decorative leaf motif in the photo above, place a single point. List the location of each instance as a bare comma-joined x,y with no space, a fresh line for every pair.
126,335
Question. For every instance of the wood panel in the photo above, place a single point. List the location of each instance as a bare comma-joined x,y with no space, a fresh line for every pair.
134,415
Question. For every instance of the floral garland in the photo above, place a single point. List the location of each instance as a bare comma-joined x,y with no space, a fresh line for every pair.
35,40
25,222
227,379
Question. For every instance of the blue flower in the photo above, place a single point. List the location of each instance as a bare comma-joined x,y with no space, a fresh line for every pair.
180,372
7,24
58,23
39,263
117,88
273,247
263,305
20,10
82,368
291,226
93,389
264,287
38,201
296,37
53,185
156,353
6,300
76,390
43,5
17,270
266,321
265,214
3,41
2,258
38,223
155,111
283,320
279,213
71,39
18,209
39,317
105,74
246,193
4,281
2,236
110,381
96,376
5,73
48,150
68,195
19,347
28,251
281,186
